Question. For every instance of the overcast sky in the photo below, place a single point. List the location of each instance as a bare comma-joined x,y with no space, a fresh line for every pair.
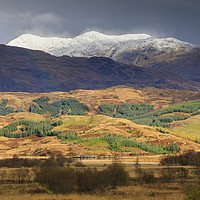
69,18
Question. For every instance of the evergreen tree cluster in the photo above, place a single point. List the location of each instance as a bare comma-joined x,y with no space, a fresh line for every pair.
143,114
36,109
117,142
133,110
41,99
125,110
5,110
70,137
68,106
25,128
107,108
159,117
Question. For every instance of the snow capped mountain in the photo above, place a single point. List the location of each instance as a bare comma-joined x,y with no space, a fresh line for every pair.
34,42
129,48
58,46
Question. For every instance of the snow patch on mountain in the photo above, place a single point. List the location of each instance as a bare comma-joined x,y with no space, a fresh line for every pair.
34,42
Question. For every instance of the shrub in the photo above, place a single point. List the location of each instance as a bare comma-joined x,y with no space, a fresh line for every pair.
69,160
19,162
60,179
182,173
87,180
117,175
188,158
168,175
56,178
192,192
79,164
60,159
147,177
21,175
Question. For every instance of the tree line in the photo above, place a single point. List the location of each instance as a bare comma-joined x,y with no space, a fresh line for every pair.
117,143
42,106
5,110
143,114
63,107
25,128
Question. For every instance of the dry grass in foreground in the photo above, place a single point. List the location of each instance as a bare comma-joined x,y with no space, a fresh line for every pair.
140,192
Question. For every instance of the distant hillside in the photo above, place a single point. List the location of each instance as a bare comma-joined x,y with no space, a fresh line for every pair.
187,65
159,98
24,70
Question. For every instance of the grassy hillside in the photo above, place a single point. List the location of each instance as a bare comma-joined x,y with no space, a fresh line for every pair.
159,98
189,129
144,114
76,126
88,135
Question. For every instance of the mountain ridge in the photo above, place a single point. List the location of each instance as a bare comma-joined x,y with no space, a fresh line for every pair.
23,70
54,45
93,43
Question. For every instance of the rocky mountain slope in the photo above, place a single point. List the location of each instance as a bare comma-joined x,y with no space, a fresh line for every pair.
24,70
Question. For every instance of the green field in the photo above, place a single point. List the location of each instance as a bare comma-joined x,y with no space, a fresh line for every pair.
189,129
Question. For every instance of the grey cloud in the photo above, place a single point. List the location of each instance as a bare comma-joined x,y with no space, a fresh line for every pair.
47,18
28,22
169,18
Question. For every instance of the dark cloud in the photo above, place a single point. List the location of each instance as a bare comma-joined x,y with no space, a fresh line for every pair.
168,18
